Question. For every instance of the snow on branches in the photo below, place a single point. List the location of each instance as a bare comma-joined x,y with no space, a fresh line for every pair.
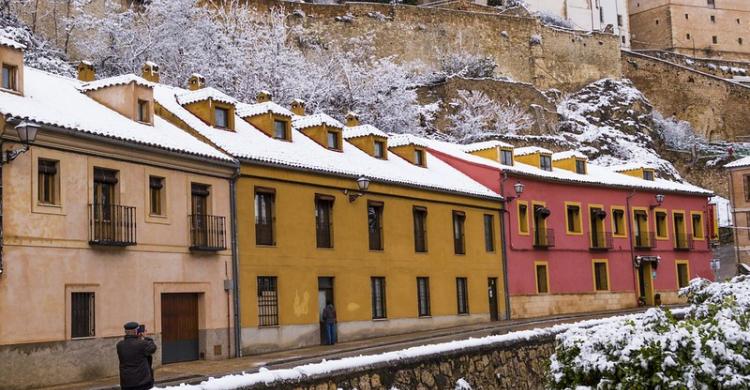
478,116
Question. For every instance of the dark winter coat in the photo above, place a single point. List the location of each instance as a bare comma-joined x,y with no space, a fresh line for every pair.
329,315
135,370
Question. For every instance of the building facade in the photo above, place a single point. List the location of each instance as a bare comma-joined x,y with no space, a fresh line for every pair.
110,215
739,197
580,237
698,28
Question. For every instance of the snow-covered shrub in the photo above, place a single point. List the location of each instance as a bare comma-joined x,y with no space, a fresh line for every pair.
39,53
677,134
467,65
709,349
478,116
552,19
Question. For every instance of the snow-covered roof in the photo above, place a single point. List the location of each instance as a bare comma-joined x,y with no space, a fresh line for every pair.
116,80
526,150
568,154
245,110
5,41
396,140
304,121
363,130
206,93
56,101
250,144
743,162
596,175
484,145
629,167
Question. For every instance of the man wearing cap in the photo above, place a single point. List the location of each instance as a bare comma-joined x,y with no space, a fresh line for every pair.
134,352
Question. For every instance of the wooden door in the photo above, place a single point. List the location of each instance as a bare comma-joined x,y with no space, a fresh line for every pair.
179,327
492,295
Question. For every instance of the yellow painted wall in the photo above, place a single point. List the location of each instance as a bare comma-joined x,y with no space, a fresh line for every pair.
297,262
569,164
265,123
367,144
13,57
319,134
407,153
204,110
492,154
530,159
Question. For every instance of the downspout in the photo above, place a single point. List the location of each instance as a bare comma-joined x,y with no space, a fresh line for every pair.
503,249
630,242
235,260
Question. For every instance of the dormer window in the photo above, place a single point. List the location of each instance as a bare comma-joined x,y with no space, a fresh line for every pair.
221,117
648,174
419,157
506,157
545,162
143,111
379,151
333,140
10,74
581,167
279,129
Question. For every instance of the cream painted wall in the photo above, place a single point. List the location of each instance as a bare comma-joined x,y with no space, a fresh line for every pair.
589,14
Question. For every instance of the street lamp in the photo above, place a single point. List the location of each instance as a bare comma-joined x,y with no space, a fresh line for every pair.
518,187
659,199
363,183
26,135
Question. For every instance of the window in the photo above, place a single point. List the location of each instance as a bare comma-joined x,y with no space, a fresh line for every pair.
648,175
661,225
657,22
462,297
523,218
419,157
10,77
375,225
581,167
459,246
619,20
622,38
687,16
420,229
542,283
545,162
687,36
640,227
601,14
683,275
378,297
48,182
379,149
573,219
489,233
680,233
156,195
712,3
143,112
333,140
323,221
601,277
697,219
739,40
506,157
82,315
423,296
105,181
713,18
715,39
268,301
618,222
265,201
738,20
221,117
279,129
746,186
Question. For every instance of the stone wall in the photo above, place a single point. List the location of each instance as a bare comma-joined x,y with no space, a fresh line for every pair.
539,305
716,108
524,49
715,66
516,364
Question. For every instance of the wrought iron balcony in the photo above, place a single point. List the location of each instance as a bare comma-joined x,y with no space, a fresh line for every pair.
644,240
111,225
207,233
544,238
601,241
683,242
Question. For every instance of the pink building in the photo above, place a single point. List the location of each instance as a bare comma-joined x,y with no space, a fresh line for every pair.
581,237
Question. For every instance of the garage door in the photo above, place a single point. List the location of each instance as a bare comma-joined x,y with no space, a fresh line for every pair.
179,324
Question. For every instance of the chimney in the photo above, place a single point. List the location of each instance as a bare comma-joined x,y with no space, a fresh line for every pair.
263,96
352,120
196,82
86,71
298,107
150,71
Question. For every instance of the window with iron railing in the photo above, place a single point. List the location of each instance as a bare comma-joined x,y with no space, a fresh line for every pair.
207,232
265,204
420,229
544,238
375,225
110,223
268,301
324,221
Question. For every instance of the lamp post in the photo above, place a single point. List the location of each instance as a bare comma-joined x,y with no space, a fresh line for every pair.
363,183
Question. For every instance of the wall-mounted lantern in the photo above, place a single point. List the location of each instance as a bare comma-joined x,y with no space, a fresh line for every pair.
659,200
26,135
363,183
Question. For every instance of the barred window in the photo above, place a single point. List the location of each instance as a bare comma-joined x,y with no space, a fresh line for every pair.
82,306
268,301
462,295
378,297
423,296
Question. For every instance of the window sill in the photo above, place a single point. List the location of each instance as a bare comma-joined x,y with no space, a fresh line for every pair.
145,123
380,319
13,91
325,248
464,314
159,219
265,245
427,317
268,326
48,208
82,338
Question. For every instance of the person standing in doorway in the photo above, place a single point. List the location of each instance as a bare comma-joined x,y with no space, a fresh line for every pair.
134,353
329,319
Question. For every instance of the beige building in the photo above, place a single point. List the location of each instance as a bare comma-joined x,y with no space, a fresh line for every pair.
739,196
699,28
110,214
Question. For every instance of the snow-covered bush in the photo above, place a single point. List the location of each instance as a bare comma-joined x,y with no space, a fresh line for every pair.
39,53
478,116
467,65
677,134
552,19
709,349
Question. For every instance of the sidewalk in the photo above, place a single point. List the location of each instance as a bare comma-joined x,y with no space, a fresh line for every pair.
196,371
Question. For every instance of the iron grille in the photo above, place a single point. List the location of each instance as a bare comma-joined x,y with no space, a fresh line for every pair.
111,225
644,240
82,314
207,233
268,301
601,240
683,242
544,238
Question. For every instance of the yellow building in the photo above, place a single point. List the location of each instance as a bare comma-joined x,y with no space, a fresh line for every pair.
395,239
110,215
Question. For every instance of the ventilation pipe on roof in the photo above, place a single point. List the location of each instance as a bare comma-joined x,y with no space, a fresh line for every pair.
86,71
150,72
352,119
196,82
298,107
263,96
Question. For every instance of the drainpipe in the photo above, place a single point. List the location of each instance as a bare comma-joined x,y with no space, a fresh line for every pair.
630,241
235,260
503,249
